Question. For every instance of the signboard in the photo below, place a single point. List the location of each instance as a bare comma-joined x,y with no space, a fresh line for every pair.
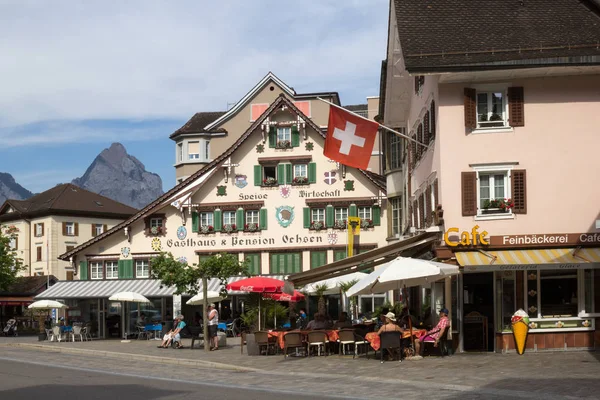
453,238
353,235
529,267
473,238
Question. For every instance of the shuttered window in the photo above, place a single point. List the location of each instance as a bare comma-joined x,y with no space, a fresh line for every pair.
428,207
516,106
285,263
426,134
38,253
318,259
469,193
494,193
254,265
470,105
519,191
422,211
420,147
433,122
413,153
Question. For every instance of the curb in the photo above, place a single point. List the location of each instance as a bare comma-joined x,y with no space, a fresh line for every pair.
111,354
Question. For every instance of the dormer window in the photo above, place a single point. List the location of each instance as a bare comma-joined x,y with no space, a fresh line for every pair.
193,150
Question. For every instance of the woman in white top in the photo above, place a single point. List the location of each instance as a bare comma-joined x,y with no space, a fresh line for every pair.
213,322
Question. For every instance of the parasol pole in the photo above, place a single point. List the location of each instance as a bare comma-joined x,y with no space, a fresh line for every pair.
412,338
259,301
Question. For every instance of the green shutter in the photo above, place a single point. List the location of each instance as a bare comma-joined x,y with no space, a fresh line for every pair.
339,255
262,219
306,214
296,263
253,263
258,179
376,214
312,172
295,136
352,211
281,174
318,259
288,173
329,216
125,269
274,267
272,137
83,270
239,219
195,221
218,220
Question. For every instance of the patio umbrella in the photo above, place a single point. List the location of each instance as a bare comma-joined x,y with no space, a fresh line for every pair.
333,284
46,305
132,297
257,284
198,300
294,298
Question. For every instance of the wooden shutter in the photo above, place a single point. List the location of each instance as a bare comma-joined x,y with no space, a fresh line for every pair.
39,253
64,229
69,248
253,263
516,106
295,263
83,270
426,134
16,243
329,216
281,174
422,223
312,172
93,230
288,173
470,108
104,228
42,229
420,140
69,275
195,221
416,84
339,255
352,211
239,219
306,215
262,219
436,199
413,153
76,228
121,269
469,193
218,220
428,206
258,179
433,119
518,184
295,136
415,213
318,259
272,137
274,264
376,214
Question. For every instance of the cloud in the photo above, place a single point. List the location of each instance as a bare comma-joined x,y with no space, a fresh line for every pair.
69,62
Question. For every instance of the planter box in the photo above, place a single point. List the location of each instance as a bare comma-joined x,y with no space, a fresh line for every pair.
491,211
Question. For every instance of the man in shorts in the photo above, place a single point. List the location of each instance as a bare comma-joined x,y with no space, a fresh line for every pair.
213,323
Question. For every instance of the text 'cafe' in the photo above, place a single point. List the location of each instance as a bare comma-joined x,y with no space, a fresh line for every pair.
553,277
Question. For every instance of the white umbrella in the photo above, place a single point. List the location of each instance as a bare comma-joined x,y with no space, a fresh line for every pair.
333,284
401,272
129,296
46,305
211,297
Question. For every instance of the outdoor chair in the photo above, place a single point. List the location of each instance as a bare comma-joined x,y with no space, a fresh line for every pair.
293,340
141,332
360,340
77,332
391,340
56,334
233,328
318,339
49,334
442,343
87,332
346,339
263,340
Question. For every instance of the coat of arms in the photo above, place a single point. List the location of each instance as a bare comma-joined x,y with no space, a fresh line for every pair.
241,181
181,233
332,238
330,177
285,190
125,252
284,215
156,244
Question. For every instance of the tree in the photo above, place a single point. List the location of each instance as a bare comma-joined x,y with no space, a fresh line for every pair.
10,263
186,278
320,292
344,287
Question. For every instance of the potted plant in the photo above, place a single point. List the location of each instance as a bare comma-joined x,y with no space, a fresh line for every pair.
497,206
366,223
156,230
284,144
228,228
269,181
251,227
300,180
206,229
317,225
340,224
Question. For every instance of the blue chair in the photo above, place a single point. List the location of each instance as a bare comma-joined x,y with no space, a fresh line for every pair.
286,325
222,327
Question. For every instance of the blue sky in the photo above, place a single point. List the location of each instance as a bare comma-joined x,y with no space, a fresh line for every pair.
77,76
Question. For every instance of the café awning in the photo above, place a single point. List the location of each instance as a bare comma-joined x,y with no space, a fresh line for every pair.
410,247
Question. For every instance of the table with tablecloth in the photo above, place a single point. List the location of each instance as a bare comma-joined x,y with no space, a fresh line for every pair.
332,335
375,341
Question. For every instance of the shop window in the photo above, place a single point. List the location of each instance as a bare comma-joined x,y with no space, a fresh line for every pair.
506,295
368,304
112,269
96,270
142,269
558,293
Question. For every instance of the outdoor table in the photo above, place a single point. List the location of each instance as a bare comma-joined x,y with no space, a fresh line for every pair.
156,328
375,341
332,334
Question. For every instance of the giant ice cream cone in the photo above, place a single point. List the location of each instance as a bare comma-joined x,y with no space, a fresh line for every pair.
520,328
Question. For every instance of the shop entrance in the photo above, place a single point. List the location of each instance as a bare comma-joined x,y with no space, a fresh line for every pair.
478,311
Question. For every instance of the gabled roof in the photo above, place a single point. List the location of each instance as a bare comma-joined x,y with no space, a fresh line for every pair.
66,199
28,285
198,122
449,35
166,198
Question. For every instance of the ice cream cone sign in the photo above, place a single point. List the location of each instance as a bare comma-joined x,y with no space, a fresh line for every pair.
520,328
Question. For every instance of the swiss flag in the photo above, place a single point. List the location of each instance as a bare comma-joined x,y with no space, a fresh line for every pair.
350,139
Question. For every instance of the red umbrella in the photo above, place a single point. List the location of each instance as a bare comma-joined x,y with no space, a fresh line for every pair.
296,297
257,284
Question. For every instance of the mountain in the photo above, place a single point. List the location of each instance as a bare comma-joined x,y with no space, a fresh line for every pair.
121,177
9,189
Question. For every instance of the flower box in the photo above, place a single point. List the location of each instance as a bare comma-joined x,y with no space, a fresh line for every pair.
300,180
340,224
317,225
229,228
156,230
284,144
251,227
497,206
269,181
206,229
366,223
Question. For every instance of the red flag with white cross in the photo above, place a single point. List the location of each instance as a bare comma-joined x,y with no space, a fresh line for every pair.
350,138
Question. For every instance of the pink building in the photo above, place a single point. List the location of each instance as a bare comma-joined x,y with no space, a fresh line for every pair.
503,104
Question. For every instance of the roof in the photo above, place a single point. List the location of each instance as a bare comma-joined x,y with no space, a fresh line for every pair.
378,180
439,35
66,199
356,107
28,285
198,122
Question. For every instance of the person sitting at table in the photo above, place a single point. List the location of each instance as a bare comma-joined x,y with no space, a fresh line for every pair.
435,333
302,320
389,324
141,321
343,322
318,323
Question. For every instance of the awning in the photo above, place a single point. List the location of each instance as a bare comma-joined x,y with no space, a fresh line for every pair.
367,260
566,258
105,288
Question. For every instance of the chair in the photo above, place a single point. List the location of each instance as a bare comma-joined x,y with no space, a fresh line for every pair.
77,332
346,339
56,334
293,340
390,340
49,335
360,340
87,332
263,340
233,328
442,343
318,339
141,332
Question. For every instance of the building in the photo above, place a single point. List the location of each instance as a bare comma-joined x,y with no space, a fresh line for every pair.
56,221
15,299
501,103
271,197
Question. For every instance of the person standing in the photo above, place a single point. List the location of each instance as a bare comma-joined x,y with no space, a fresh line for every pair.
213,323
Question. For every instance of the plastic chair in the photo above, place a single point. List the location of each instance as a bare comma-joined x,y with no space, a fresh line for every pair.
77,332
318,339
293,340
56,334
390,340
87,335
49,335
233,328
263,340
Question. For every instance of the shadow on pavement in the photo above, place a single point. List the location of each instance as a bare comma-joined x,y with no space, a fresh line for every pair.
534,388
82,391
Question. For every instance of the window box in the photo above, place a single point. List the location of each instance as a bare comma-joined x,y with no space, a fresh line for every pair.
300,180
340,224
269,181
156,230
317,225
283,144
366,223
229,228
251,227
155,225
206,229
497,206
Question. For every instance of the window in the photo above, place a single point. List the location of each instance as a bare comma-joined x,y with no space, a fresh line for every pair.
301,171
206,150
365,213
493,193
112,270
317,215
206,219
142,269
98,229
13,243
69,228
269,175
156,222
341,214
491,110
284,134
193,150
39,230
69,248
179,152
396,215
395,151
285,263
558,293
252,217
419,82
96,270
228,217
38,253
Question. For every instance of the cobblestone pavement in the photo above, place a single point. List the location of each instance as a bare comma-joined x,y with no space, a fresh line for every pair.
534,375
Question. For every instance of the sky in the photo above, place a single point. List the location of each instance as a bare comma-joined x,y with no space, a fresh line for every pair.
76,76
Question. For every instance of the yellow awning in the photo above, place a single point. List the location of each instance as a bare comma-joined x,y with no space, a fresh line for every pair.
522,257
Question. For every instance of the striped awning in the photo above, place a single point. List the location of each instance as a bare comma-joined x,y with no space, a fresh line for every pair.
583,257
105,288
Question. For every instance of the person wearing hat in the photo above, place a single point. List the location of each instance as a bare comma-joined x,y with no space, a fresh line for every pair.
434,334
173,335
390,324
213,323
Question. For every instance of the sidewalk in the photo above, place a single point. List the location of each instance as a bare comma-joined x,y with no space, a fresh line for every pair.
568,373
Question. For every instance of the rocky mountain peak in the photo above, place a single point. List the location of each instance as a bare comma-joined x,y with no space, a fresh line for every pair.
10,189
